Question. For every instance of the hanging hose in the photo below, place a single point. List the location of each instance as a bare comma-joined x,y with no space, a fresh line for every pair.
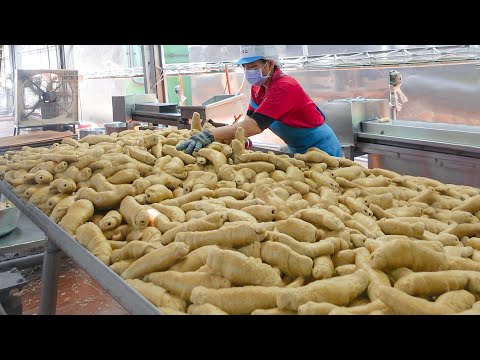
180,82
241,85
228,80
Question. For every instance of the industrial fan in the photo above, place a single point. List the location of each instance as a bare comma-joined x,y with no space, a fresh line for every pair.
46,97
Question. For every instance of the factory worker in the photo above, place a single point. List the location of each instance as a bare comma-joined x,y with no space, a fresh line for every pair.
278,103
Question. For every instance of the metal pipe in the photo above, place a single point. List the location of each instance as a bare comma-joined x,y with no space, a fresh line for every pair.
13,62
159,60
48,56
13,65
51,267
61,57
305,50
393,106
395,83
148,69
145,77
23,262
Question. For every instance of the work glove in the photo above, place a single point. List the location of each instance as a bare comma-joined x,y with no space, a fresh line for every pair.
196,142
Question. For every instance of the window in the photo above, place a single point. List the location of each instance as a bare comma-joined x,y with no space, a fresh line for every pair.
32,57
105,71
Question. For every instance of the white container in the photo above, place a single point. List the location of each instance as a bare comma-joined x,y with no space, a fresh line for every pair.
8,218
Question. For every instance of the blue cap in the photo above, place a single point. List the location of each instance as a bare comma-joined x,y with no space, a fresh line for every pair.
248,60
251,53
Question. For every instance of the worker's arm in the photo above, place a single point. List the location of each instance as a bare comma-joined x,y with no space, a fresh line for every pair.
228,132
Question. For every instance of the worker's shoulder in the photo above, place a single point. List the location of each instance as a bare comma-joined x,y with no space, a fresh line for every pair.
287,82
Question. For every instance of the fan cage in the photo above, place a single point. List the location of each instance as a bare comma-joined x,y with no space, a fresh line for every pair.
46,97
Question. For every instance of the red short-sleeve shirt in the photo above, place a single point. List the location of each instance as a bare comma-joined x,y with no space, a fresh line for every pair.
285,101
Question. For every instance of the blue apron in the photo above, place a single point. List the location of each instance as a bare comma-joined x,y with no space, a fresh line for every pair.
300,139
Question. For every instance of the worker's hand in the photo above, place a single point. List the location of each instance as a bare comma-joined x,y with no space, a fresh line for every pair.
196,142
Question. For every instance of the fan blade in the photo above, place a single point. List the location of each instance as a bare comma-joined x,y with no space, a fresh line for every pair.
48,78
33,109
58,87
35,91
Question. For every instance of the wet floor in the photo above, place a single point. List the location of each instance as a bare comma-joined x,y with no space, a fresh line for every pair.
78,293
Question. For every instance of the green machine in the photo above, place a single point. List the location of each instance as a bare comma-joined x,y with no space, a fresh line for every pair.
175,54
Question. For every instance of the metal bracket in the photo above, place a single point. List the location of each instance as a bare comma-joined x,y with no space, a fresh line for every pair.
11,279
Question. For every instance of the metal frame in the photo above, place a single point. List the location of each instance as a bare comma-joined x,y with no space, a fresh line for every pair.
148,59
17,128
152,57
59,240
166,119
418,160
415,56
423,143
26,236
427,55
160,85
61,57
22,262
29,123
13,66
446,152
9,280
443,135
13,62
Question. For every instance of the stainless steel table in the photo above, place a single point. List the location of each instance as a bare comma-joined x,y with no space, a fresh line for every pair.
24,237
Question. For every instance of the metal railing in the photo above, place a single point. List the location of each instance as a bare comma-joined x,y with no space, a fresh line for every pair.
409,56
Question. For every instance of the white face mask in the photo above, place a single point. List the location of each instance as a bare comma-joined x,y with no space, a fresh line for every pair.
255,76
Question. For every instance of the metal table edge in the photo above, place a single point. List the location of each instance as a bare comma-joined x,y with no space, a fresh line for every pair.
123,293
419,142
